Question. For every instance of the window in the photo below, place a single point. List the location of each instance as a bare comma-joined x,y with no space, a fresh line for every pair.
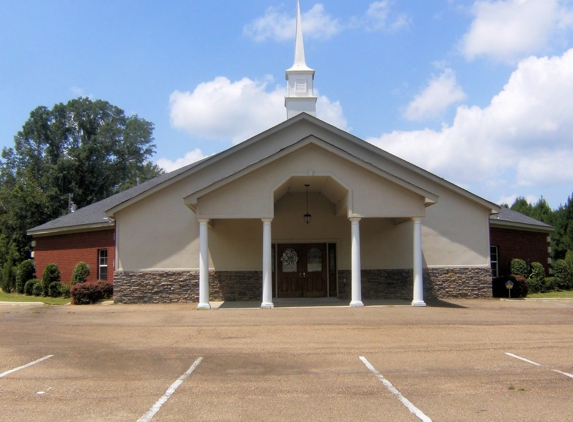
102,264
494,258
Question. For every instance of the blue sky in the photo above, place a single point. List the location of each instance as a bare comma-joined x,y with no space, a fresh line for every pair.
477,92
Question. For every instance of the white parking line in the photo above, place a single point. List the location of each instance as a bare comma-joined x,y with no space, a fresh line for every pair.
557,304
3,374
392,389
155,408
523,359
538,364
563,373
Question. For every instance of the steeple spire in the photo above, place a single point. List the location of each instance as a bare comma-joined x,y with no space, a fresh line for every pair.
300,77
299,60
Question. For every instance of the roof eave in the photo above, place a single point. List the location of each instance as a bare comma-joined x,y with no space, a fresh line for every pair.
523,226
72,229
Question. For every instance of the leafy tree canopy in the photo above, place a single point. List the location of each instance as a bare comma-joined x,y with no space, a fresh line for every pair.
89,149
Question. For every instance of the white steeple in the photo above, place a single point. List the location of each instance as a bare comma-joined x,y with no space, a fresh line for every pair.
300,97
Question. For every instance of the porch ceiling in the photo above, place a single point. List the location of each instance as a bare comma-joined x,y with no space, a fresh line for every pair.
325,185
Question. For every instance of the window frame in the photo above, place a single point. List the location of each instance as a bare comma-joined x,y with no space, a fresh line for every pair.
101,265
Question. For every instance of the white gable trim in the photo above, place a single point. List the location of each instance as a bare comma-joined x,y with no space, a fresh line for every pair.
429,198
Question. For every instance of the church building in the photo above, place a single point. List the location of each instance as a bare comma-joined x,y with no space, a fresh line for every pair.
303,209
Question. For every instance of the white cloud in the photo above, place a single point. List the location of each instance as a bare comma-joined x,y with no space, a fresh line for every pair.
190,157
510,29
434,100
378,17
527,128
318,24
235,111
280,26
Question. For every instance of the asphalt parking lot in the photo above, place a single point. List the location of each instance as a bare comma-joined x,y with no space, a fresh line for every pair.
461,360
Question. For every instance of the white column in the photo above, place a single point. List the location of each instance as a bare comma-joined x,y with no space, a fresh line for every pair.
267,265
418,270
356,268
203,265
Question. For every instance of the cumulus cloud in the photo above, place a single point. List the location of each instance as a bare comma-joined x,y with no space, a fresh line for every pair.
510,29
278,25
235,111
189,158
527,127
433,101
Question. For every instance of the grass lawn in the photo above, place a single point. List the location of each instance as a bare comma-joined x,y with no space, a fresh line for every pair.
14,297
563,294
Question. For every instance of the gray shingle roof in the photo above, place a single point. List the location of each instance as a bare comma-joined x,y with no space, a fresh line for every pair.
516,218
95,213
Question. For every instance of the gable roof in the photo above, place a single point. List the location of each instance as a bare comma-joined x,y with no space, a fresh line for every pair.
100,214
515,220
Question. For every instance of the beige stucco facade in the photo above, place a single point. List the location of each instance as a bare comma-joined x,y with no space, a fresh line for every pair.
265,178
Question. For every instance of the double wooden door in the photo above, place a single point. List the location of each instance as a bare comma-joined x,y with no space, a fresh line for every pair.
302,270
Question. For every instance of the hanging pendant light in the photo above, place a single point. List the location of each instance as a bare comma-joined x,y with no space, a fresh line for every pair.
307,217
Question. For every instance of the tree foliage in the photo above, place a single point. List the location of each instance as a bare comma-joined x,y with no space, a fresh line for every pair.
89,149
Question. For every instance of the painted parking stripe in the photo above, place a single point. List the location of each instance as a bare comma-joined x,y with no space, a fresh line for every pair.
394,391
3,374
155,408
557,304
523,359
538,364
563,373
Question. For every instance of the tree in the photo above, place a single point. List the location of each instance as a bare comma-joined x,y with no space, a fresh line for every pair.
89,149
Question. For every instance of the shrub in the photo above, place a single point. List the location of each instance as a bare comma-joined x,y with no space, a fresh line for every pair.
537,271
80,273
29,286
8,282
38,289
519,267
51,274
563,274
90,292
55,289
26,271
65,290
520,286
549,284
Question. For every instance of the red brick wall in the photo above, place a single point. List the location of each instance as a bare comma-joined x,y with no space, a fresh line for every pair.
66,250
529,246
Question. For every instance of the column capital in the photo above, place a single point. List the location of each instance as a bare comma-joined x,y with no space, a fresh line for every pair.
203,220
417,219
355,219
267,220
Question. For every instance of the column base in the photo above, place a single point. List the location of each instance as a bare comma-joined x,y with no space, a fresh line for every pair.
418,303
356,304
204,306
268,305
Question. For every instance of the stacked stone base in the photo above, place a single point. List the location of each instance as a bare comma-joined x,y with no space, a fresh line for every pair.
183,286
439,283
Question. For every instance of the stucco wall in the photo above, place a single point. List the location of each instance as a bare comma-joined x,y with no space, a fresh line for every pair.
160,232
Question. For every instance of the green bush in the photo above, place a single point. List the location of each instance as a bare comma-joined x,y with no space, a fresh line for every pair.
65,290
519,267
537,271
55,289
550,284
38,289
562,274
26,271
29,286
80,273
8,282
51,274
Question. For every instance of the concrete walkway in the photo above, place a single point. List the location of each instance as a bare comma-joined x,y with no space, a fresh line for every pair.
321,302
